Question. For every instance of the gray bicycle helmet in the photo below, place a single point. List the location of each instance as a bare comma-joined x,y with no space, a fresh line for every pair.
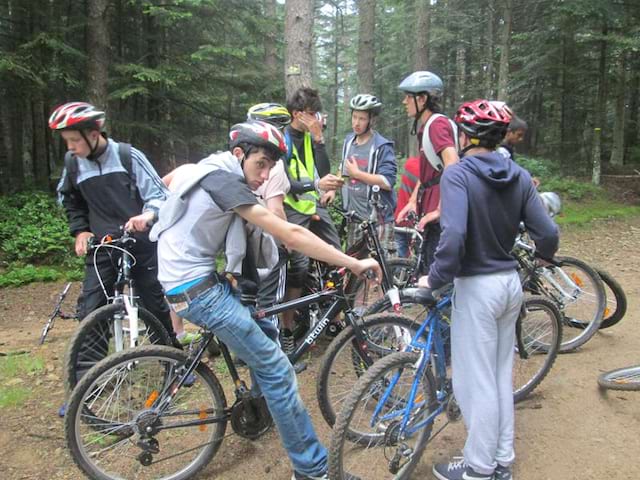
552,203
422,82
366,102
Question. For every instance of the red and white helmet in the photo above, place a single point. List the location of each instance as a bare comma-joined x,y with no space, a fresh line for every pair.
483,122
259,134
77,116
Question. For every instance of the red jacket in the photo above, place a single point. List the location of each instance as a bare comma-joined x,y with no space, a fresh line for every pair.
407,185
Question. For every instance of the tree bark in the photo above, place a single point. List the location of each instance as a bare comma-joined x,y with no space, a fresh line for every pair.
298,32
423,20
366,45
505,47
631,126
97,53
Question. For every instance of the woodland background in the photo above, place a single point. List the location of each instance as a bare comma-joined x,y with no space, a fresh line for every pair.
174,75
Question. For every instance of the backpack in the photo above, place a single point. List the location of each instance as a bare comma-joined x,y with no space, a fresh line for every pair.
124,152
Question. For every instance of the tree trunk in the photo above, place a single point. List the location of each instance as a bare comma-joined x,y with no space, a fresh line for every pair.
601,104
490,16
631,126
617,149
40,153
270,44
423,19
366,45
97,53
461,75
298,33
505,47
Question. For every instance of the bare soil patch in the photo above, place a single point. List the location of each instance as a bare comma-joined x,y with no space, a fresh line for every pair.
568,429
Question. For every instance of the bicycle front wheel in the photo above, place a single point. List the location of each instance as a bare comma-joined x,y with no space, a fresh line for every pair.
579,293
539,333
621,379
95,338
114,429
345,360
378,446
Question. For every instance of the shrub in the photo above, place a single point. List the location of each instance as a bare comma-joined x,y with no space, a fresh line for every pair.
33,229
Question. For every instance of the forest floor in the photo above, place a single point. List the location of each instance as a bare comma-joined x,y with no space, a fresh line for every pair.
567,430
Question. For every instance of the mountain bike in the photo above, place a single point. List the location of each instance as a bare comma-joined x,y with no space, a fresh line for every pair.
616,300
388,418
119,325
178,410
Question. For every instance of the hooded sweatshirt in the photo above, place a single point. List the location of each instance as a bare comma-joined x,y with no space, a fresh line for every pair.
484,199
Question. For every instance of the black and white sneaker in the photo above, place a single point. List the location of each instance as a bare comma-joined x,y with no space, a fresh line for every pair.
457,469
502,473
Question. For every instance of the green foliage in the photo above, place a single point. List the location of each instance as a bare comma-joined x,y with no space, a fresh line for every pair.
33,230
570,188
541,168
13,396
583,213
18,274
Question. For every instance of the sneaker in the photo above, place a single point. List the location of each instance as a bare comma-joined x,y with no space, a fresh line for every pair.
189,337
300,476
502,473
457,469
287,342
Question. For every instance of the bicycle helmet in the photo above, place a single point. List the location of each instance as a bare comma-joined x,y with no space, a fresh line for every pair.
503,107
272,113
258,134
552,203
484,123
77,116
422,82
367,103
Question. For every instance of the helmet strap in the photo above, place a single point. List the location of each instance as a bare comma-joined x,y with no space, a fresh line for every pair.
414,128
93,149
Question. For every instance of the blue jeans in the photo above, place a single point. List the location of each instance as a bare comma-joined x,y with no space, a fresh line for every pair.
220,311
402,244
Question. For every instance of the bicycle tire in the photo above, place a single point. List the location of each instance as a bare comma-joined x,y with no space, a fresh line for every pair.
584,315
100,446
627,378
619,301
91,341
541,338
373,450
341,365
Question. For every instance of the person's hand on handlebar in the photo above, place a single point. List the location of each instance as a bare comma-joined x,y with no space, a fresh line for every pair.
82,243
428,218
423,282
328,198
140,223
368,265
409,207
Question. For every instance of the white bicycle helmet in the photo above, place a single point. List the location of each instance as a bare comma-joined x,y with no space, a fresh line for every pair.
422,82
366,102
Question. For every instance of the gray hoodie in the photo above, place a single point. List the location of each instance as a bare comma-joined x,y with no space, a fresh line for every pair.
484,198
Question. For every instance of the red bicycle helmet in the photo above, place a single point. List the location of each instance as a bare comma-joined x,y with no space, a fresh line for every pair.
259,134
76,116
483,122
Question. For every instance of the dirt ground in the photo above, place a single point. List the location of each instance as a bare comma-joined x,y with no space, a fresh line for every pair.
566,430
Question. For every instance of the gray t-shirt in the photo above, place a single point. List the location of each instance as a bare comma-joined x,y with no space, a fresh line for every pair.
354,191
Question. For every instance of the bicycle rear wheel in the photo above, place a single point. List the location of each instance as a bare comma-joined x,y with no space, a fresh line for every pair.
616,300
113,430
94,338
627,378
369,447
344,361
540,334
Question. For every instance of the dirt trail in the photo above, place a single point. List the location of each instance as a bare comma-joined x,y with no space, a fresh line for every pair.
567,430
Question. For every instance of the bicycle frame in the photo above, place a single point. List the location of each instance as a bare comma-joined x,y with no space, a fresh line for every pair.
435,344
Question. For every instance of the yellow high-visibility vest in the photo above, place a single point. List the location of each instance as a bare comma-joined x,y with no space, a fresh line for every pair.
304,172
